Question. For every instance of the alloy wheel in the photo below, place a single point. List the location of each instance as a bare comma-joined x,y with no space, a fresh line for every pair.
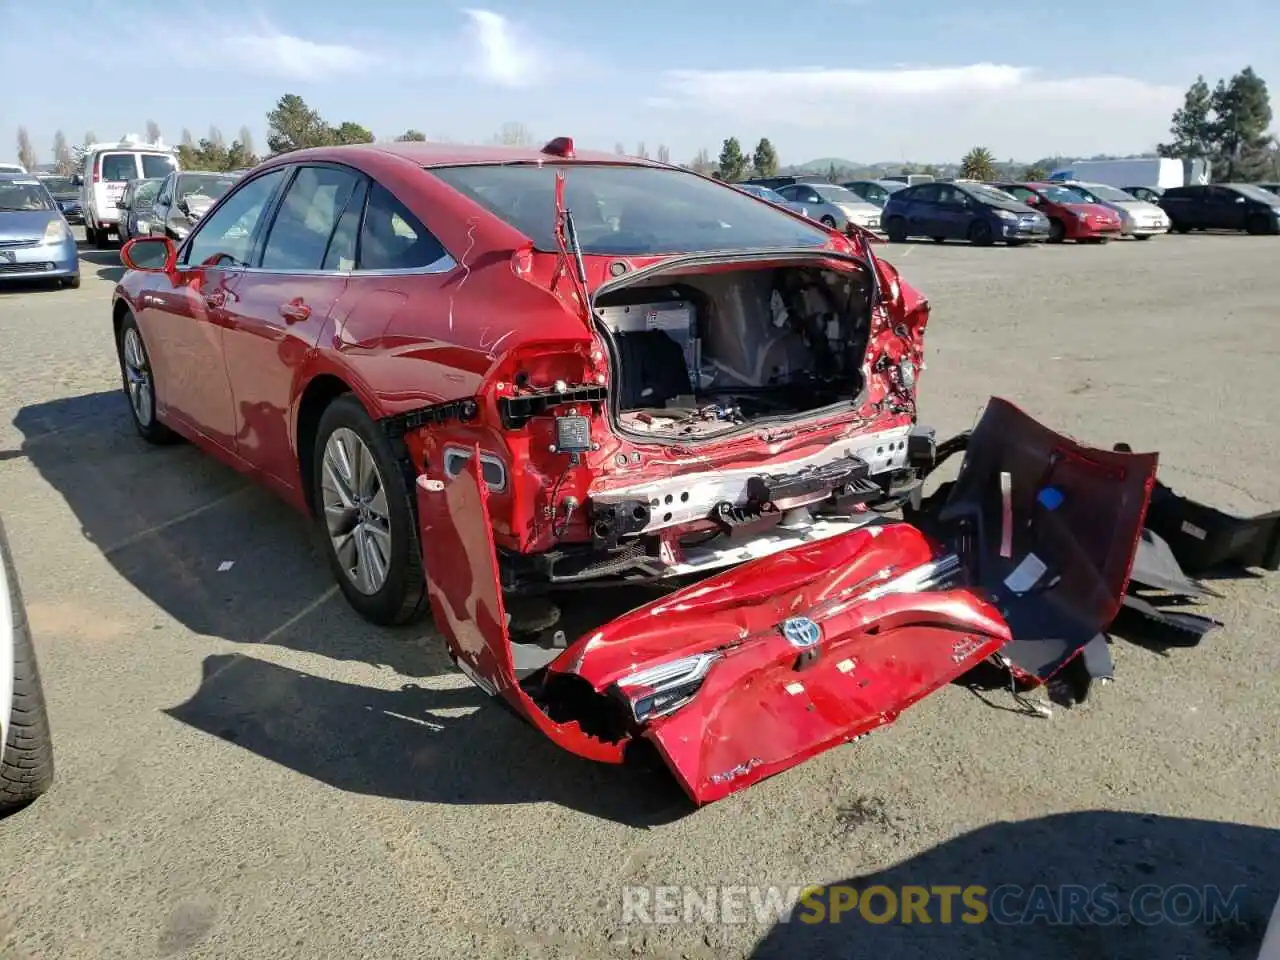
355,510
137,375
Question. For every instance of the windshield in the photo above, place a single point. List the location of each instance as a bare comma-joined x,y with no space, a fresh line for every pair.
210,185
892,185
1060,195
1101,191
1255,192
146,191
621,209
24,195
58,184
764,193
990,194
834,194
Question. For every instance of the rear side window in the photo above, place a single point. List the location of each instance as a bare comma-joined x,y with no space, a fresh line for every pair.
393,238
119,167
157,165
926,194
341,254
307,218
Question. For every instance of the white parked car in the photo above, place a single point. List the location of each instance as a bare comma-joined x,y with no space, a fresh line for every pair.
12,168
833,205
1138,218
26,750
107,170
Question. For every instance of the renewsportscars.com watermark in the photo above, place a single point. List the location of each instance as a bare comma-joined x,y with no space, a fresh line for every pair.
1072,904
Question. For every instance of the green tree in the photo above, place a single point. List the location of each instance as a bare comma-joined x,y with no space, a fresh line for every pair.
765,159
349,132
978,164
931,170
732,163
26,152
412,136
240,155
1034,172
1192,127
1242,118
292,125
63,164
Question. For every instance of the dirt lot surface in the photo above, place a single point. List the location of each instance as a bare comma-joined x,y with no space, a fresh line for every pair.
247,770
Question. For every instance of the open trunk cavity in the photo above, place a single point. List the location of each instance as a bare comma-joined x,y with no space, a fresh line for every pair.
710,349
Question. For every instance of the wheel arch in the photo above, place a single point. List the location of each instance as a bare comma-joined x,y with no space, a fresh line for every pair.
320,391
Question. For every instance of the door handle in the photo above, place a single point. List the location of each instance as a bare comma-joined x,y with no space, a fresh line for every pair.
295,311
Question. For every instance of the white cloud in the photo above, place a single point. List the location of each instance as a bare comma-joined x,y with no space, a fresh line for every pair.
931,112
507,58
295,58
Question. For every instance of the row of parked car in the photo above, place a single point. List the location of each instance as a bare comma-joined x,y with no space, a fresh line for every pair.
986,212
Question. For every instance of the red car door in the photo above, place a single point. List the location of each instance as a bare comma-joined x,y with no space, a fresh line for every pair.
282,307
183,318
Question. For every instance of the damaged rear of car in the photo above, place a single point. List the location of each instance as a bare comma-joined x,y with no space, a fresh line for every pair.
723,440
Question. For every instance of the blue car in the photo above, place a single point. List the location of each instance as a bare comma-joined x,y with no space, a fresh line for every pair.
965,210
36,242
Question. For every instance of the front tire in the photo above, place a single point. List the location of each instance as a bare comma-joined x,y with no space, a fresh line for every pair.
829,222
26,756
365,515
1057,232
980,234
139,383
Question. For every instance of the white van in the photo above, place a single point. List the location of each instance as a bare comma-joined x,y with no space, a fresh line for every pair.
108,168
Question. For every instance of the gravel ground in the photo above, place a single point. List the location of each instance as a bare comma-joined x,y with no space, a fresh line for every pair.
245,769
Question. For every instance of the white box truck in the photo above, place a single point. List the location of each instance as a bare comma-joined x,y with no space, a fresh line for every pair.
1163,172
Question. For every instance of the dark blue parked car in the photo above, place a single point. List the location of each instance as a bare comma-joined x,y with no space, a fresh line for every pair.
966,210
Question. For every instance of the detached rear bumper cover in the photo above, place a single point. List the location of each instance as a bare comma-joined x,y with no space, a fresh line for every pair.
1029,554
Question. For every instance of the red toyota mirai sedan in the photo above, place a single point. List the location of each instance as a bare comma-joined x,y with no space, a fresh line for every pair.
1071,216
495,376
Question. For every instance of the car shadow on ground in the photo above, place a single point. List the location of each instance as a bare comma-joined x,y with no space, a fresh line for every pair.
1099,884
227,559
419,743
108,263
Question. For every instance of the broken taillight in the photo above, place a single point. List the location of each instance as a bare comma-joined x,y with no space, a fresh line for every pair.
664,689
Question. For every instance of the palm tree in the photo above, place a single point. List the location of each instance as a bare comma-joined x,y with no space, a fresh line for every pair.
978,164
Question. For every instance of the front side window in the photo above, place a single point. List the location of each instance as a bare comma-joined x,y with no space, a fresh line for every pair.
622,209
307,217
393,238
226,237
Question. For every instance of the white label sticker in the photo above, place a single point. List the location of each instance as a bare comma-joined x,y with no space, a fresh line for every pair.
795,688
1191,530
1026,574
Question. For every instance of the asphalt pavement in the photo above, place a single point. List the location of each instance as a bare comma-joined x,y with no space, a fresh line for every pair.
246,769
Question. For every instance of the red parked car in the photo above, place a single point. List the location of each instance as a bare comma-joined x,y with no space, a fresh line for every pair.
498,376
1071,216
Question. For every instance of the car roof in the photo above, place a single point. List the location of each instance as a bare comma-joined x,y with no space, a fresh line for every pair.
15,175
452,154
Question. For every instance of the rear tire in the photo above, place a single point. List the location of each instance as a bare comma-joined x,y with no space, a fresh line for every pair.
896,230
829,222
939,239
26,757
71,283
401,597
1143,236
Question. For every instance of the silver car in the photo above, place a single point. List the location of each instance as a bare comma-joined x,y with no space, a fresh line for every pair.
833,205
36,242
1138,218
764,193
184,197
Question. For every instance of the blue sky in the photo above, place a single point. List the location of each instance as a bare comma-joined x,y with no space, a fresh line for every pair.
868,80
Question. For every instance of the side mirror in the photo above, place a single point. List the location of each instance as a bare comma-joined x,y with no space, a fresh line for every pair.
149,254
